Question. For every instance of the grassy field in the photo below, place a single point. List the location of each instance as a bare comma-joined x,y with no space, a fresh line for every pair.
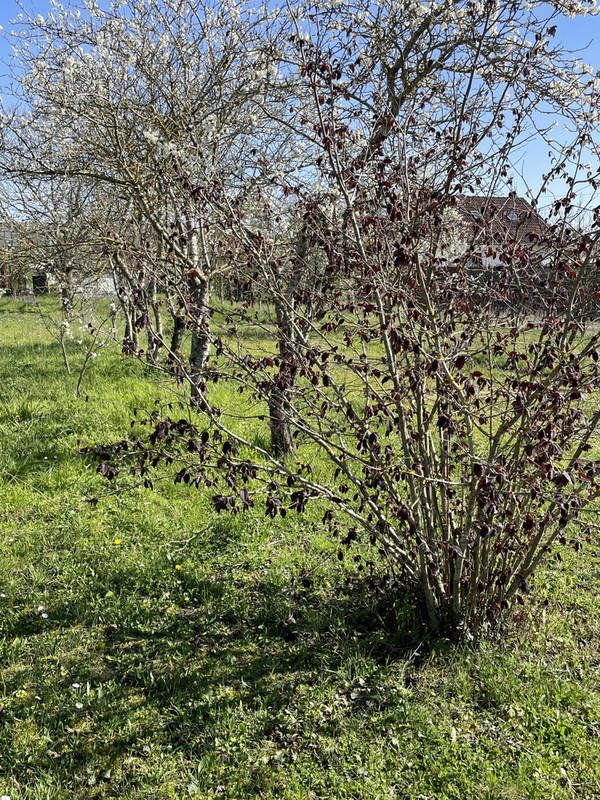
150,648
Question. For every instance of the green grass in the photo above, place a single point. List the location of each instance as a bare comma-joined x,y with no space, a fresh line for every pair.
150,648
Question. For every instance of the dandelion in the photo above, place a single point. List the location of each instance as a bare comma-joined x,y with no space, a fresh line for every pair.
177,566
118,541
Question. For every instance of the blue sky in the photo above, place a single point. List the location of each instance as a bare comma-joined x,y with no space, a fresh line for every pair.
581,34
9,10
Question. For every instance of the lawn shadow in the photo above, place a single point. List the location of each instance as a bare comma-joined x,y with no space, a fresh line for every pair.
238,653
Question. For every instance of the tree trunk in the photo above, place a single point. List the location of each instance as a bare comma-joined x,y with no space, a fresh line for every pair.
64,351
67,295
282,396
154,331
280,399
176,336
290,340
200,347
131,336
199,288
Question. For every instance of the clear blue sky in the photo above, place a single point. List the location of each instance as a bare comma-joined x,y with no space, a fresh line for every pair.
576,34
9,10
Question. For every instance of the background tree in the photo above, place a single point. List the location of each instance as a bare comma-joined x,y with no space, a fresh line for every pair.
151,100
55,233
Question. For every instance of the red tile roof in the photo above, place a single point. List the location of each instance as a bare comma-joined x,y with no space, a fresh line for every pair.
494,219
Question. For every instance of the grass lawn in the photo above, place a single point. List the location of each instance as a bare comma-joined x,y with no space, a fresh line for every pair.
150,648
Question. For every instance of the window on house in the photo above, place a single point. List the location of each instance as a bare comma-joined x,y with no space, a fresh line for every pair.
476,214
512,216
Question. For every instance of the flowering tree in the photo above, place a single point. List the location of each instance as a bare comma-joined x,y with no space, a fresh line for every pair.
54,231
150,100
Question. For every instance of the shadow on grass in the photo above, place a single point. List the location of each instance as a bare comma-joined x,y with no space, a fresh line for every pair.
18,305
236,653
36,432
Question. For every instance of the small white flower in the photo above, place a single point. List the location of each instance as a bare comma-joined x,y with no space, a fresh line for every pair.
151,136
78,705
41,608
76,685
5,797
44,616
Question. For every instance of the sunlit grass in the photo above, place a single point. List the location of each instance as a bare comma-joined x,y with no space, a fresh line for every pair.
150,648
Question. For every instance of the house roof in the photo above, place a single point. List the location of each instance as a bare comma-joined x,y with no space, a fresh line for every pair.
500,219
